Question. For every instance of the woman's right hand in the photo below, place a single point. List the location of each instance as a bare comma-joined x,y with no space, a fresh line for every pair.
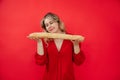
36,39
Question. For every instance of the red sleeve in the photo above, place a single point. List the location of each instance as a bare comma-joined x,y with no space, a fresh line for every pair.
78,58
42,59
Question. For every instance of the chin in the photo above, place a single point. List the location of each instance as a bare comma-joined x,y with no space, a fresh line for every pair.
53,31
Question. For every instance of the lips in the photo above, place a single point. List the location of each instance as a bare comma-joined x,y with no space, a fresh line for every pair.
51,28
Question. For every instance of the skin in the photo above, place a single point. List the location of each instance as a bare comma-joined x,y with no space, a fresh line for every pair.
53,27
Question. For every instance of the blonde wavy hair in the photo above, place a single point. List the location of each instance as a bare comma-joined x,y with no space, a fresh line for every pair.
55,18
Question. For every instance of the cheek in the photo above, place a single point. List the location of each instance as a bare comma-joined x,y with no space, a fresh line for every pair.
56,26
47,29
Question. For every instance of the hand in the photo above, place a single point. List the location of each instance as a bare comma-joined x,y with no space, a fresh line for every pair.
35,38
76,46
75,42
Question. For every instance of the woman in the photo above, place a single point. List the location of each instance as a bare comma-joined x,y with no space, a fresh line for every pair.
57,54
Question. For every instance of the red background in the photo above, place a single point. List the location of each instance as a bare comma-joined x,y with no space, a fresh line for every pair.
97,20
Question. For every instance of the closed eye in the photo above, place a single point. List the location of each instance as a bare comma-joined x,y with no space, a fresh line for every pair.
51,22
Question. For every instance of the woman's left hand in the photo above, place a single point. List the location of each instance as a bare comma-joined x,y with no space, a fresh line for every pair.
75,42
76,46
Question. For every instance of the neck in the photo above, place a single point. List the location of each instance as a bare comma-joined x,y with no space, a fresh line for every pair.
59,31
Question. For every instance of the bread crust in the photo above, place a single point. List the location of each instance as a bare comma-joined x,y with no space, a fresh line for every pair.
55,35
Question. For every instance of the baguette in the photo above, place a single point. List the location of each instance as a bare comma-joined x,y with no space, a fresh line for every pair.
55,35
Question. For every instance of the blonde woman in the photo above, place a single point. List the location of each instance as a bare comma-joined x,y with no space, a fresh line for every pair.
57,54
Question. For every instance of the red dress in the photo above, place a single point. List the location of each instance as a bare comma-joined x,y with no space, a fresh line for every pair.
59,64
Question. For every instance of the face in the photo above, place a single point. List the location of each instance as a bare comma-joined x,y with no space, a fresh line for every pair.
51,25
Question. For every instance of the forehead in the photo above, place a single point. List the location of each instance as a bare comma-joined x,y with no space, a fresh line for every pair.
48,19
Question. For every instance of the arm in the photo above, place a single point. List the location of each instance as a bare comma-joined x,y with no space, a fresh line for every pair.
76,47
78,56
40,50
41,55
